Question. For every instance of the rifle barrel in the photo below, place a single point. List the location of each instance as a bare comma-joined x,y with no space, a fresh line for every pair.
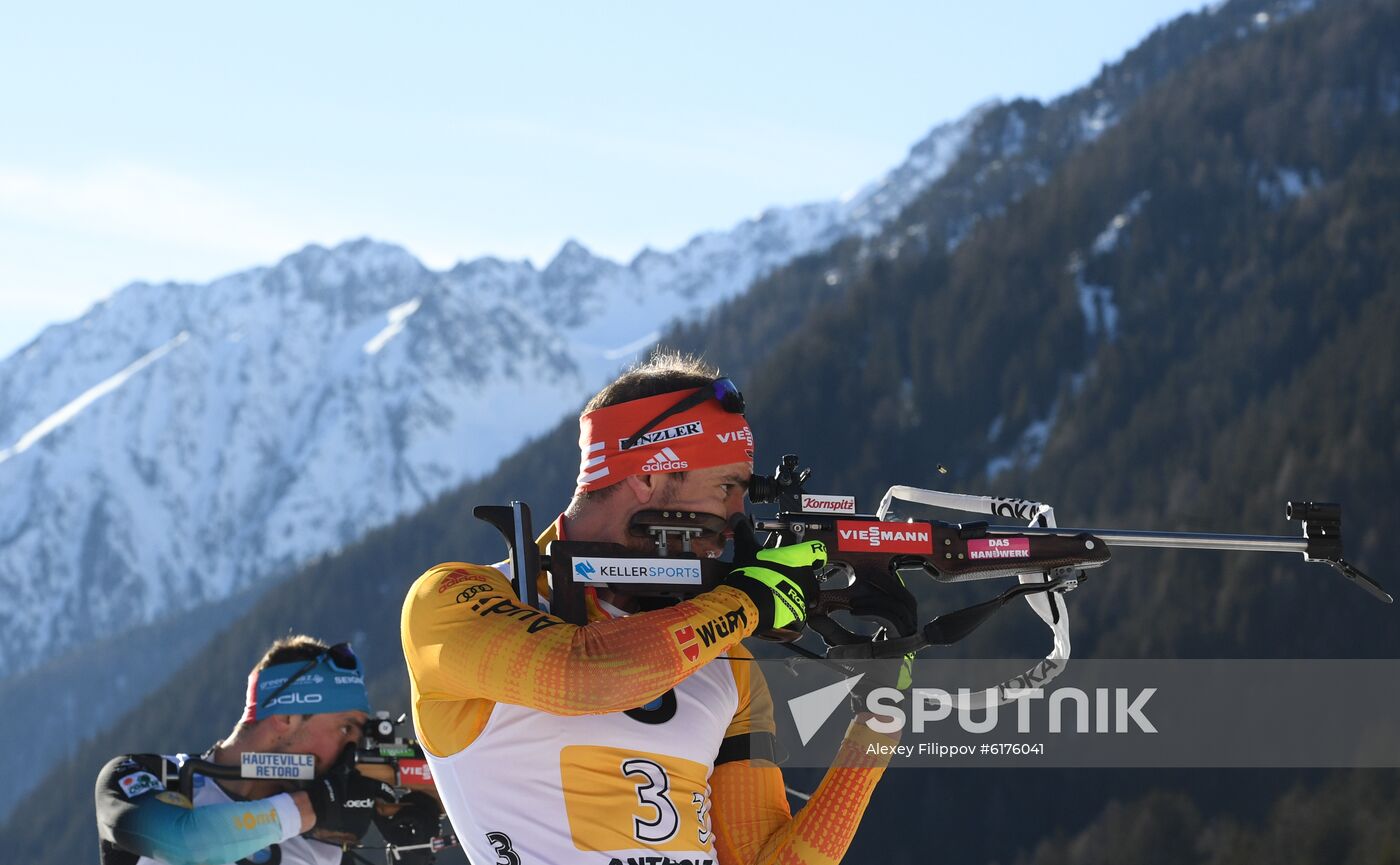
1171,540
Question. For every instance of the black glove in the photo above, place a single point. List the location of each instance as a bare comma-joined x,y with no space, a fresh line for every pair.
894,673
344,800
895,604
781,581
416,822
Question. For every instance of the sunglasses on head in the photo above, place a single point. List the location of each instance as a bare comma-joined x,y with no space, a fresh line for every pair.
721,389
341,658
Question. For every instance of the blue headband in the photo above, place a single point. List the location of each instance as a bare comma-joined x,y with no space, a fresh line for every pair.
323,688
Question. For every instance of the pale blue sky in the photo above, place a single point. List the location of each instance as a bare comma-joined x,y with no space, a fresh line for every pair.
179,141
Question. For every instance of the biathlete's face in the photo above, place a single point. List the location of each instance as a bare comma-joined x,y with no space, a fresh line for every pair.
718,491
324,736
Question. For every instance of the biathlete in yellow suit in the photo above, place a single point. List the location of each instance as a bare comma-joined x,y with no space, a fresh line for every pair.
639,737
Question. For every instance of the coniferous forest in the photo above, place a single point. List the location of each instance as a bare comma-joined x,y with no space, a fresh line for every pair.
1181,325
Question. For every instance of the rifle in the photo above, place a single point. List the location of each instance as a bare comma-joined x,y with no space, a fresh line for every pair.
875,552
414,829
872,556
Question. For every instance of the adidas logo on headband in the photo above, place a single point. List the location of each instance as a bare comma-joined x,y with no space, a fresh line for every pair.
665,460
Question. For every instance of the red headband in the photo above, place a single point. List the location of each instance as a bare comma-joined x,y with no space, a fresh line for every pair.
697,438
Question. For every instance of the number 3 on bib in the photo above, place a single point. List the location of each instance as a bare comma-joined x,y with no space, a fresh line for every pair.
625,800
652,786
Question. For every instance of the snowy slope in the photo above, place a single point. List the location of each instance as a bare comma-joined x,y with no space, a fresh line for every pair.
181,442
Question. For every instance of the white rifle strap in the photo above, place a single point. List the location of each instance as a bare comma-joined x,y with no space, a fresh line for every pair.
1049,606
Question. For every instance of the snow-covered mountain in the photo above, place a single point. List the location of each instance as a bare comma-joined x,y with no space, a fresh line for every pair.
181,442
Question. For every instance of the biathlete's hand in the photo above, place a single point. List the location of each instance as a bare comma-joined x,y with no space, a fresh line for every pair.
344,801
415,823
897,673
781,581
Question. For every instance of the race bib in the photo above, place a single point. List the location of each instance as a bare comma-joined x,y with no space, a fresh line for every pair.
622,799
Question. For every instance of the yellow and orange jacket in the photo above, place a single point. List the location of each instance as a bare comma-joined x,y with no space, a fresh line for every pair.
630,737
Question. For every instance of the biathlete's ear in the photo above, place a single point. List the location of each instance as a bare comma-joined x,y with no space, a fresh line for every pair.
644,486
